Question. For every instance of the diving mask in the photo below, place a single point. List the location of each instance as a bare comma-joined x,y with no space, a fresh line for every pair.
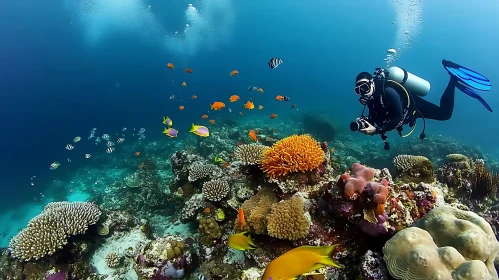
365,89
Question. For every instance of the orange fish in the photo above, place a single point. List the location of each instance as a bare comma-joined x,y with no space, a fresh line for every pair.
217,105
137,154
225,165
252,135
194,97
170,65
279,97
260,90
273,116
249,105
293,106
234,98
181,107
260,107
184,84
204,117
212,121
332,150
234,72
240,217
240,113
188,70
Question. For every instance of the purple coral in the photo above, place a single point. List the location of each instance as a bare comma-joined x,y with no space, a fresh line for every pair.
377,229
59,275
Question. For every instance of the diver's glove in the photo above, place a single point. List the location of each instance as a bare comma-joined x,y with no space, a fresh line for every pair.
368,129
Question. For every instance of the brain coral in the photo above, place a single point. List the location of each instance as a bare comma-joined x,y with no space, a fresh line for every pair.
287,220
250,153
296,153
448,243
48,232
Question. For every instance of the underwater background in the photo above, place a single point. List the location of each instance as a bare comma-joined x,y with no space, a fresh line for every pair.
68,66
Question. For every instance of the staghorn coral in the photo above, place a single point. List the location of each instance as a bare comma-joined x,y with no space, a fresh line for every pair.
215,190
411,254
201,170
113,260
250,153
191,207
49,231
287,220
296,153
257,208
414,168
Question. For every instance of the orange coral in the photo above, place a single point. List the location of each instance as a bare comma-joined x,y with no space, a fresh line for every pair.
296,153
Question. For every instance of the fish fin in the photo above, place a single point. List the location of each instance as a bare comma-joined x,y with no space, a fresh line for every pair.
325,253
193,128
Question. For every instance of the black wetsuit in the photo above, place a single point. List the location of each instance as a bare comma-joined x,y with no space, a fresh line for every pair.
386,109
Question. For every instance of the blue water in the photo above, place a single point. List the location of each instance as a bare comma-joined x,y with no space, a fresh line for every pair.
69,66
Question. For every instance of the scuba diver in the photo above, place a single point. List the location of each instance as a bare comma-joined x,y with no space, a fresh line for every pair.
394,98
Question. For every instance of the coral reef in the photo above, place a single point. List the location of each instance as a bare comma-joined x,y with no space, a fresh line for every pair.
49,231
414,168
296,153
287,220
215,190
113,260
250,153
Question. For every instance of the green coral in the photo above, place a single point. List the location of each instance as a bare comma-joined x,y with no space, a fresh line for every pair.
415,169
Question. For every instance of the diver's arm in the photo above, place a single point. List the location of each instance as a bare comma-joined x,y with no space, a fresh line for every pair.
395,105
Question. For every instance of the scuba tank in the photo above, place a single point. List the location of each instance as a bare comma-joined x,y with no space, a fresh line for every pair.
413,84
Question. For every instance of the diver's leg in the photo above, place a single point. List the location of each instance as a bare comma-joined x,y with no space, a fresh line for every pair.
434,112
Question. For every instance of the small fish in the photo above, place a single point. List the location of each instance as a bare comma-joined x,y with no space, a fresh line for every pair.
201,277
299,261
88,155
97,140
250,88
69,160
92,135
54,165
252,135
181,107
212,121
137,154
171,97
188,70
241,241
273,116
109,144
249,105
200,130
170,65
260,107
240,217
109,150
124,129
233,73
240,113
184,84
120,140
106,137
170,132
77,139
234,98
260,90
217,159
274,62
142,130
204,116
194,97
69,147
293,106
167,121
217,105
282,98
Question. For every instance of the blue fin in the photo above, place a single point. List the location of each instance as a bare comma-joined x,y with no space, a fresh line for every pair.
473,94
467,76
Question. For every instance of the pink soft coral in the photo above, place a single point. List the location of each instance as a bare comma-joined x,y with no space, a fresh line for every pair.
357,180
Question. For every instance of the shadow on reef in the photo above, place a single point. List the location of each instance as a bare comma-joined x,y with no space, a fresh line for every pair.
319,127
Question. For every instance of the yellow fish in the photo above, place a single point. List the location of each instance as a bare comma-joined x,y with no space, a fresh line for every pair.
241,241
300,261
200,130
167,121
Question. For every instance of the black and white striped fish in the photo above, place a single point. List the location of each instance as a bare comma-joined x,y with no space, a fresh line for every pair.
88,155
274,62
201,277
69,147
109,150
120,140
109,144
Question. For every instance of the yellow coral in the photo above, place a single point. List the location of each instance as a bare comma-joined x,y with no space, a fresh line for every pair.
296,153
256,209
287,220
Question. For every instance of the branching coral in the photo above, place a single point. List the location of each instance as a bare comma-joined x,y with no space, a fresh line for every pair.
296,153
414,168
215,190
201,170
485,183
287,220
250,153
48,232
113,260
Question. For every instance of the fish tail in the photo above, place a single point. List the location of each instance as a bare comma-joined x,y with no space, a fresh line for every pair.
193,128
326,255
